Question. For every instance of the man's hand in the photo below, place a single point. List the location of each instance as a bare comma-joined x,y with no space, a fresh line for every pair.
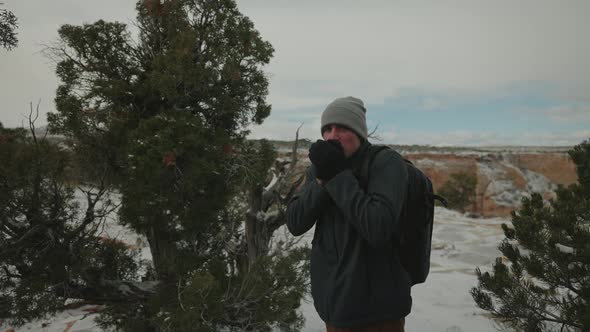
328,158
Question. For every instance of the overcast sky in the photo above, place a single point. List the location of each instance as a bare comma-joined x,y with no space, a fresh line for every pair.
430,72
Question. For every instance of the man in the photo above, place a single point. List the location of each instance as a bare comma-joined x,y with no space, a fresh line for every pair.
357,281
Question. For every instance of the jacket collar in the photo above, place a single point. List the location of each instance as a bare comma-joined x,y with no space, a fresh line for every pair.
357,158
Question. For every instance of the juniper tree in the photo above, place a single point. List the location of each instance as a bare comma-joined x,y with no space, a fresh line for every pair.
545,283
51,249
253,281
165,116
8,25
279,265
459,190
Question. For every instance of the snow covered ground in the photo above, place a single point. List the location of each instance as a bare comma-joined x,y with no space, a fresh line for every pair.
442,304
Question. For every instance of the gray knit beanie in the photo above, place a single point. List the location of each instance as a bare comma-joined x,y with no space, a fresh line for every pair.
349,112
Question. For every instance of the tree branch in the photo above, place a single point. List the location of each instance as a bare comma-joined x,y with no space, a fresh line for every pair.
112,291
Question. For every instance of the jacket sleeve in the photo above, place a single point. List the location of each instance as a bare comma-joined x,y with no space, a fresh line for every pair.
376,213
306,205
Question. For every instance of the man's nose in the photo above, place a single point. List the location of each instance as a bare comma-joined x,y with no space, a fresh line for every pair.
331,134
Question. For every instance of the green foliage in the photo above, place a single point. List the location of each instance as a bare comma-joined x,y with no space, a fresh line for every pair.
580,154
264,298
163,120
8,25
544,286
459,190
47,255
174,187
257,157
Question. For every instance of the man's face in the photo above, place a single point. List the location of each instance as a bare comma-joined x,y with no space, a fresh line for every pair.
349,140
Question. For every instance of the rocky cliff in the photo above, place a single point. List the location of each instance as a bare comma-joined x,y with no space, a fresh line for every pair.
503,178
504,175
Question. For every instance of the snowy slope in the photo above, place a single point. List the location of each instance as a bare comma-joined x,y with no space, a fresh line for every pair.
442,304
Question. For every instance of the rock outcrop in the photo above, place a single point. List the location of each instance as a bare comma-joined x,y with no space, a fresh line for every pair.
504,176
503,179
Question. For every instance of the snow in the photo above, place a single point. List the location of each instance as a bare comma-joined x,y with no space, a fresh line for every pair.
73,320
442,303
501,187
501,190
565,249
537,182
272,182
430,163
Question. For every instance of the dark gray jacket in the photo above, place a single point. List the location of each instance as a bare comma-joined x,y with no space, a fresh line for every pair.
356,276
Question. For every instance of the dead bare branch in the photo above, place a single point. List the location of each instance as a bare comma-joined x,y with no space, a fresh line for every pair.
373,136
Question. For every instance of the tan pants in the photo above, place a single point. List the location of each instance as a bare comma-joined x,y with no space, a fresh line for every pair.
387,326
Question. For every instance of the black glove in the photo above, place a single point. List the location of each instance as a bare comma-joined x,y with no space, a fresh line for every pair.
328,158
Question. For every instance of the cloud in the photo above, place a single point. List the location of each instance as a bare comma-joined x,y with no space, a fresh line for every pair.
294,103
431,104
285,130
475,46
478,138
569,114
449,52
562,114
25,74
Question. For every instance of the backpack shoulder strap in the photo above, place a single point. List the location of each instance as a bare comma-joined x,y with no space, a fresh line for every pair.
366,165
367,161
441,199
